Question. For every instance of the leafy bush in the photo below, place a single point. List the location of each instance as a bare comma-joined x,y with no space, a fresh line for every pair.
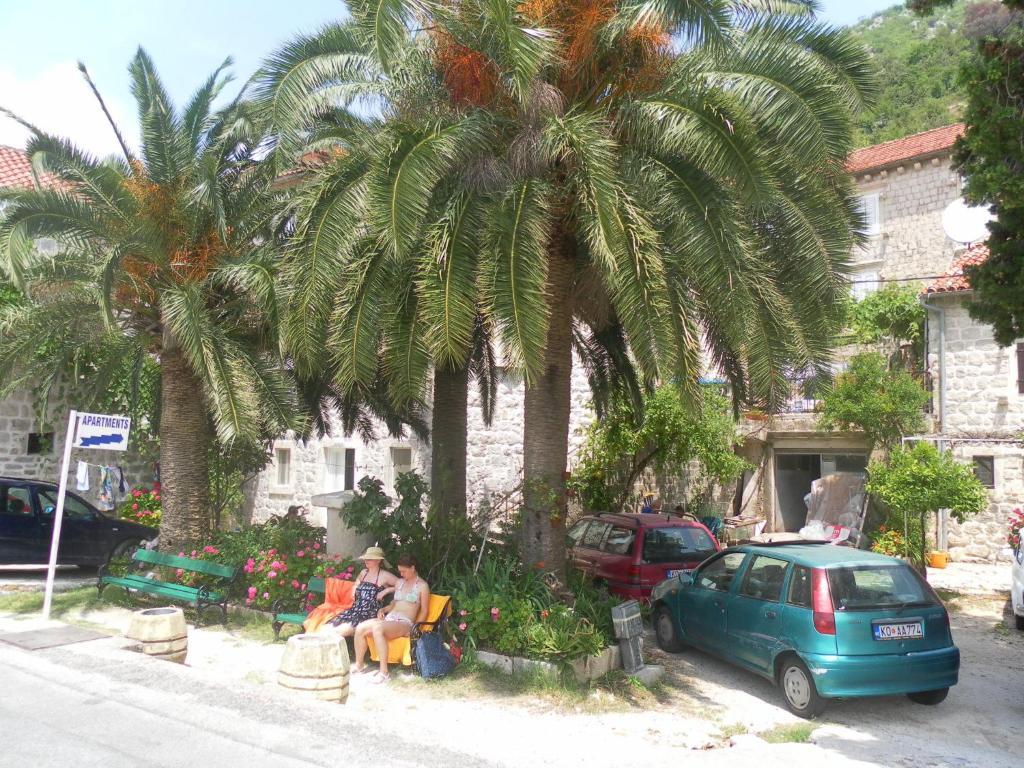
509,609
439,544
889,541
276,560
884,404
142,506
921,479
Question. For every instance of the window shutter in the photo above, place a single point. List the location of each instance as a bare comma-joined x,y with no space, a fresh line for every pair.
1020,368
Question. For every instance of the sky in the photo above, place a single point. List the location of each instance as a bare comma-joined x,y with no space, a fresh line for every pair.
41,42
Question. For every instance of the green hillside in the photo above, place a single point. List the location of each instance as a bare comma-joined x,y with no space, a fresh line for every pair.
918,60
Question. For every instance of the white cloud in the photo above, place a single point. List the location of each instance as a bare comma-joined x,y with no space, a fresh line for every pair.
58,100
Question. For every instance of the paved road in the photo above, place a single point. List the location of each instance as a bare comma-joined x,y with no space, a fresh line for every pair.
27,578
68,707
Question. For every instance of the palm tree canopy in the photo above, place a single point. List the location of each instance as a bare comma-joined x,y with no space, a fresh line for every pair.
170,251
686,155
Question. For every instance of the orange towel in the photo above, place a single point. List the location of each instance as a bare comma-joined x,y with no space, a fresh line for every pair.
339,595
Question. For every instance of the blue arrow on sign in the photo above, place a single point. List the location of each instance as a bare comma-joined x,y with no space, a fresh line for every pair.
88,442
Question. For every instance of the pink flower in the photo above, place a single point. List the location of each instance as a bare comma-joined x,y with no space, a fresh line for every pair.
248,601
272,574
252,591
193,553
210,550
302,587
463,613
495,613
316,545
156,497
462,627
295,583
351,568
276,564
271,551
135,507
301,553
180,573
136,493
138,514
181,554
328,570
266,595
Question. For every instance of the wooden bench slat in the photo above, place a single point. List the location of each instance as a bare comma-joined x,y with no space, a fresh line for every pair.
207,567
290,618
163,588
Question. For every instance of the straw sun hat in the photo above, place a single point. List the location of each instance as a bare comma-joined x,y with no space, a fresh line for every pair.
375,553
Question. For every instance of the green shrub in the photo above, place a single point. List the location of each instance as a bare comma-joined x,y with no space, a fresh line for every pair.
142,506
507,608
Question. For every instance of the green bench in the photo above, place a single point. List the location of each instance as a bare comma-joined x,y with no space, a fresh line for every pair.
279,608
201,597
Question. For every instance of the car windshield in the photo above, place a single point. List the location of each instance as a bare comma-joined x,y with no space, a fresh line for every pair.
878,586
672,545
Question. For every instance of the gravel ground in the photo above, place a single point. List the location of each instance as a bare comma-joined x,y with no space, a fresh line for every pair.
691,716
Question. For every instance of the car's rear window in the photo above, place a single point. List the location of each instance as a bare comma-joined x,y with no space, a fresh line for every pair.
864,587
672,545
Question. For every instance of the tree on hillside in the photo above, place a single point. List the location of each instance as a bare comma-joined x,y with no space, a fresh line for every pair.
556,169
990,155
168,253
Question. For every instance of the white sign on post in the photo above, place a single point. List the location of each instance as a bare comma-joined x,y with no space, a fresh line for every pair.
108,433
85,430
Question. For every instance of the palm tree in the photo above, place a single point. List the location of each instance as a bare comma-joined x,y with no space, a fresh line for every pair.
671,168
168,254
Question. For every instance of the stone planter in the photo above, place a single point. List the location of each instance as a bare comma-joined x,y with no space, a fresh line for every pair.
316,665
584,670
162,632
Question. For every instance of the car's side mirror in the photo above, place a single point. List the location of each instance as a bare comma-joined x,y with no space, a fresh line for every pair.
49,509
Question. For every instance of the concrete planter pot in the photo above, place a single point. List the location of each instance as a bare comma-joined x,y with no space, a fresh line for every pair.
161,632
316,665
584,670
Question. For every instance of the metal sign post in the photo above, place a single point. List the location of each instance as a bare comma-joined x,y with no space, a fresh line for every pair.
85,430
58,514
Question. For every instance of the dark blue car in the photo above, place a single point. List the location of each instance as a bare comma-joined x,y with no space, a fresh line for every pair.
88,537
819,620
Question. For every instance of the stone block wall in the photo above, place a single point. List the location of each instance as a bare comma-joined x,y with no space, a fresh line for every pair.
18,419
912,198
493,463
984,417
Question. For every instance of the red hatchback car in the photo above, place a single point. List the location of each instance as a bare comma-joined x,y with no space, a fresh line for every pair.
633,553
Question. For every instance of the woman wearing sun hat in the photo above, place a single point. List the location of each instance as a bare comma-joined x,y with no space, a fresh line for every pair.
373,584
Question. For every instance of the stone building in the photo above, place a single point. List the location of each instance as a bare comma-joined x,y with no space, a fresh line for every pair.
979,407
905,185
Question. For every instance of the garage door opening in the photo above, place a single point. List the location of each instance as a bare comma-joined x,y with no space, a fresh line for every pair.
794,473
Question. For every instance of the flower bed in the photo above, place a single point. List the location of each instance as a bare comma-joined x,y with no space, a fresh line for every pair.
142,506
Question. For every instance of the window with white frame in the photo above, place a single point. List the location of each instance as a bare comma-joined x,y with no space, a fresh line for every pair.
400,462
282,466
864,282
871,208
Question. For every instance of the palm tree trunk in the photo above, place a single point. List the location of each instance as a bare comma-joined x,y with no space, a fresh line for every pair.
184,467
546,427
448,443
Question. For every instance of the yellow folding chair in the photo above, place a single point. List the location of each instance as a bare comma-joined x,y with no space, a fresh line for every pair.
400,649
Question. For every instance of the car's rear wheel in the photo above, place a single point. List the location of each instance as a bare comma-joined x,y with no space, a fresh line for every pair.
665,633
120,556
799,690
931,698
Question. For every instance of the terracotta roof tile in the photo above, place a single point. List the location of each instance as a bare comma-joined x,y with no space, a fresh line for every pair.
16,171
916,145
954,279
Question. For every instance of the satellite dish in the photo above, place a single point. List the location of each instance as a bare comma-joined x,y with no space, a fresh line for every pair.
965,223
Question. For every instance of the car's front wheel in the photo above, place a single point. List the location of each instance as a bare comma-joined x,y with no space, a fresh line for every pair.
665,631
120,557
930,698
799,690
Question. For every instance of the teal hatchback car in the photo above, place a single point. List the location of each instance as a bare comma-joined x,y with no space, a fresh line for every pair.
819,620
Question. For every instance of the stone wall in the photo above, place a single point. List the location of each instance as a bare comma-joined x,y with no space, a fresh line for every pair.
911,242
18,419
984,417
493,463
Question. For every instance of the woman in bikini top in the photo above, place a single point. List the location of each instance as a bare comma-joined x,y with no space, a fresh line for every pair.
408,607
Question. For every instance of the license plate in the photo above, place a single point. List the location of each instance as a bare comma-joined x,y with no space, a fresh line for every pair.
907,630
673,573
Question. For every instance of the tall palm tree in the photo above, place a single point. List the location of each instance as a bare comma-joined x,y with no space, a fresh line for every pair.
672,168
169,253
